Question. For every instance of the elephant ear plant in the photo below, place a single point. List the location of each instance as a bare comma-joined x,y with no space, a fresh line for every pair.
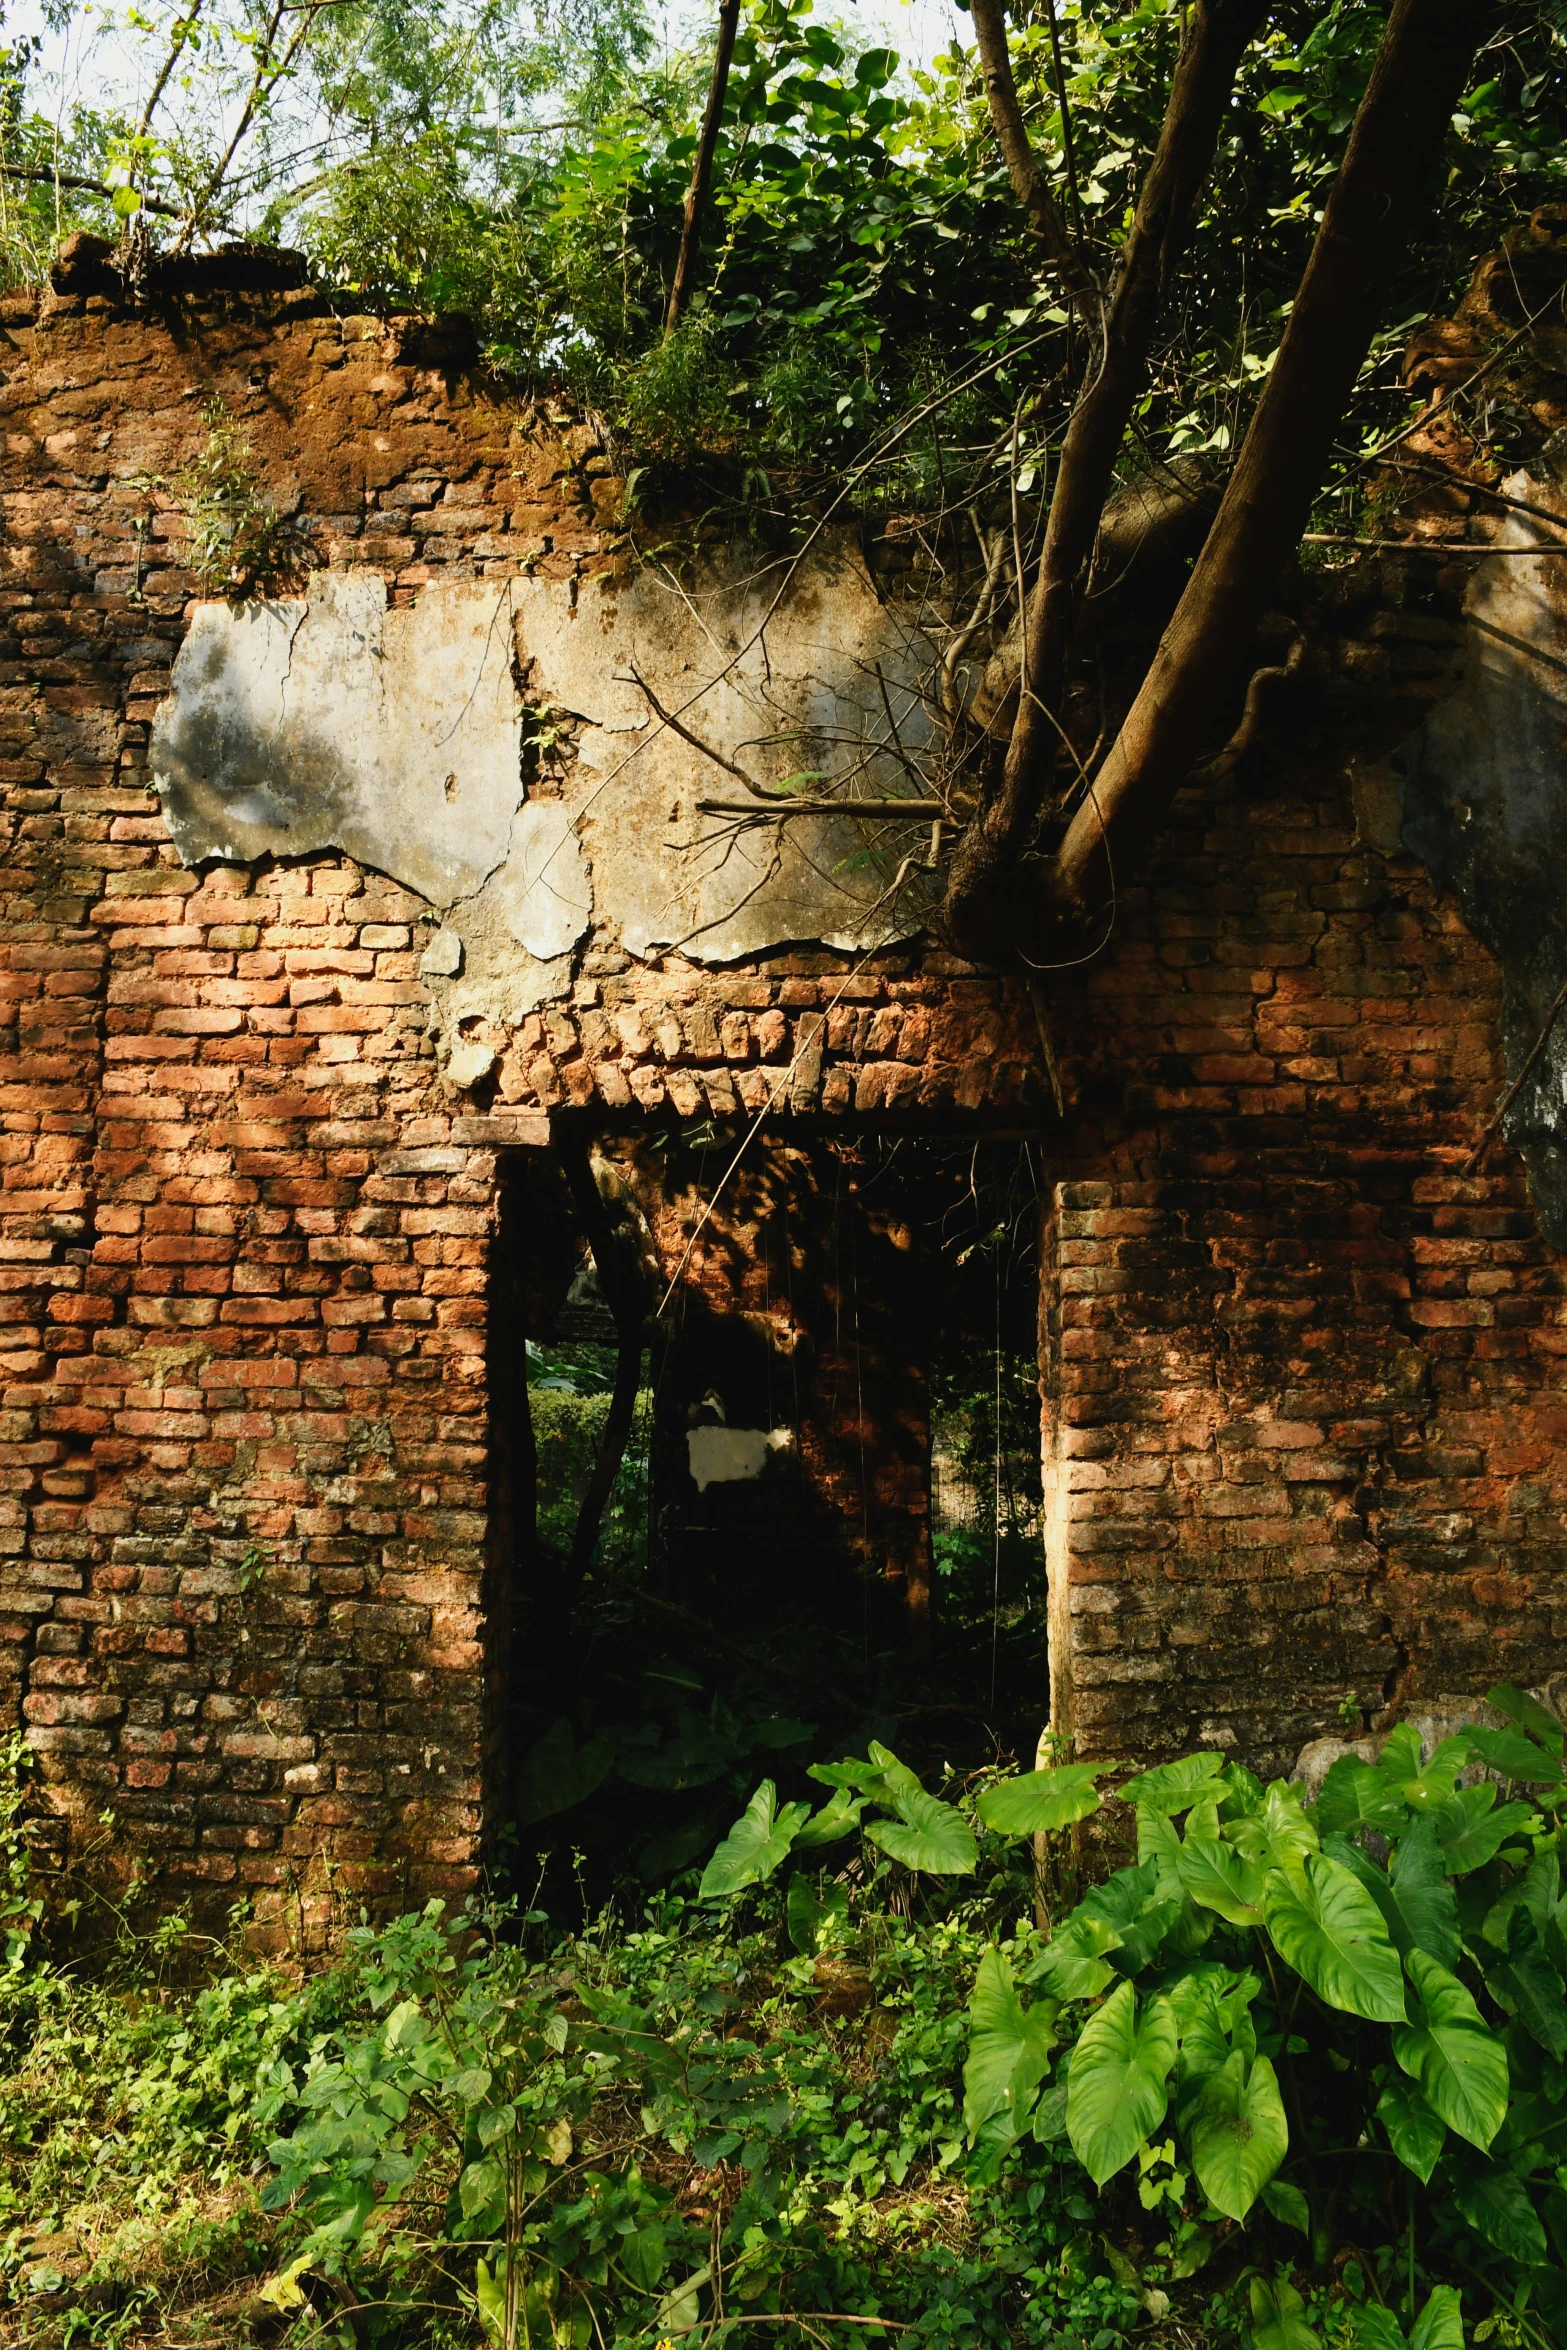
1343,2022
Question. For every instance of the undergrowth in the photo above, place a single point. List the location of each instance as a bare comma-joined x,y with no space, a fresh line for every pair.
1291,2076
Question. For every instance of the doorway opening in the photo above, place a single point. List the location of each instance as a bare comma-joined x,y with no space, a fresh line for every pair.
779,1430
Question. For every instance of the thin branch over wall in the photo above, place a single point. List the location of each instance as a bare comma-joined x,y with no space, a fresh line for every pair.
985,870
1386,180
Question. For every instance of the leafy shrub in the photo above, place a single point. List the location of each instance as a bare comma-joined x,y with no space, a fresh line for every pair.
1277,2012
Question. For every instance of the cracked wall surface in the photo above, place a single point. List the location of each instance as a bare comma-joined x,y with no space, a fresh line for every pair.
402,736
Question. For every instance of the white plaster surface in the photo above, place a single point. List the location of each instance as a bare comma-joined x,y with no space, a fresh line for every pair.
733,1456
397,735
332,722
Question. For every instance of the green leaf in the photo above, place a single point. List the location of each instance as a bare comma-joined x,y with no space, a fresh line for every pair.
1330,1931
1516,1756
125,203
1424,1893
1416,2134
754,1846
1042,1801
1354,1795
1238,2134
838,1817
1520,1707
1496,2204
1278,1834
1470,1832
807,1916
1174,1787
1374,2328
1288,2205
1073,1964
1218,1878
1009,2048
1116,2093
1440,2325
558,1774
928,1835
680,2311
1459,2062
1528,1986
1278,2317
481,2190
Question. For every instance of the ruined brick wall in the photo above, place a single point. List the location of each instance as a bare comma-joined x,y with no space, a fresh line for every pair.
1303,1395
248,1601
1307,1378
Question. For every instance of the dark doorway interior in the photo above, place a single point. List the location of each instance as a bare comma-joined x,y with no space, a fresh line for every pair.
816,1528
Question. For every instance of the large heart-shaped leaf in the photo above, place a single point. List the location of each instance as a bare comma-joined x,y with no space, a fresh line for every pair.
1423,1891
1073,1964
760,1838
1459,2062
1517,1756
838,1818
558,1773
927,1834
1440,2325
1219,1878
1116,2094
1374,2328
1042,1801
1495,2202
1471,1827
1356,1796
1278,1834
1528,1986
1238,2134
1416,2134
1174,1787
1009,2048
1328,1928
1520,1707
1278,2317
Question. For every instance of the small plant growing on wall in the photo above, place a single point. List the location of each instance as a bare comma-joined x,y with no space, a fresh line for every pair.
240,543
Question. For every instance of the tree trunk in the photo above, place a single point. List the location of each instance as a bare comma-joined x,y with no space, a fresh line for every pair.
1385,180
702,167
1028,182
986,872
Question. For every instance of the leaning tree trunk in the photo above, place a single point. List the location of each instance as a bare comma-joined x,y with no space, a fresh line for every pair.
1421,67
986,869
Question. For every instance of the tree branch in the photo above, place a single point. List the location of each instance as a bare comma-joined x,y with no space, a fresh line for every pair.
71,179
986,872
1383,184
1028,183
702,167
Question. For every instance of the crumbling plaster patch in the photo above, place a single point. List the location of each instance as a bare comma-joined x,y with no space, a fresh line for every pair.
399,735
1485,807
